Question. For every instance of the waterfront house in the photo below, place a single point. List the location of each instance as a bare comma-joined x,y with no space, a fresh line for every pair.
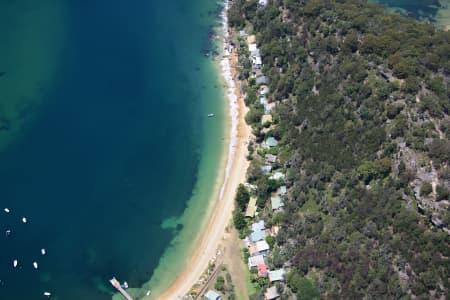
250,186
277,203
259,248
271,293
212,295
252,47
254,261
261,80
277,176
277,275
256,236
271,142
266,169
251,208
270,158
262,270
258,226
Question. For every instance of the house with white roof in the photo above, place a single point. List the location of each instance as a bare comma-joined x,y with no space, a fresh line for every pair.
252,47
213,295
258,226
277,275
277,176
262,3
254,261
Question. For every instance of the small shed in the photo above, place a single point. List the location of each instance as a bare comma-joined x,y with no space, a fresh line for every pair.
271,293
282,190
264,89
251,208
262,3
243,34
251,39
212,295
252,47
270,158
266,119
261,80
277,275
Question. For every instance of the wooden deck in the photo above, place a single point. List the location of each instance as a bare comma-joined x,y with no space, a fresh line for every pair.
115,283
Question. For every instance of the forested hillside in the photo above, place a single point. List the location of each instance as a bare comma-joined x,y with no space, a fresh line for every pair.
361,115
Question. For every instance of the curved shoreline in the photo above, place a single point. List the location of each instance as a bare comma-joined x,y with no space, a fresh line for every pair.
234,174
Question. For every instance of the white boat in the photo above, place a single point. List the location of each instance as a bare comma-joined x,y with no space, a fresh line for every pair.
24,220
35,265
43,252
47,294
210,115
15,263
6,210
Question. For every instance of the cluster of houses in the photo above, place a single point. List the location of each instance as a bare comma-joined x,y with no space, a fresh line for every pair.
258,247
258,250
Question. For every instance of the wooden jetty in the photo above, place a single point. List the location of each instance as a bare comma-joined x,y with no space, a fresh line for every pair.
115,283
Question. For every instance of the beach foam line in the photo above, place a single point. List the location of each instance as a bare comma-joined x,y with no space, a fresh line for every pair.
231,96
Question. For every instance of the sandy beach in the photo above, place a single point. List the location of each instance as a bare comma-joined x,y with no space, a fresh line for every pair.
234,174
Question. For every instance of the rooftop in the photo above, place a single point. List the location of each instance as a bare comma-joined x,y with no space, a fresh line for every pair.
257,236
277,275
251,208
212,295
276,202
271,293
277,176
258,226
271,142
255,261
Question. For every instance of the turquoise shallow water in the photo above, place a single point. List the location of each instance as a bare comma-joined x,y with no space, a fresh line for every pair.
106,137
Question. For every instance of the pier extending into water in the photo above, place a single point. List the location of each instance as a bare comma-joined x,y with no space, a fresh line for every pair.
115,283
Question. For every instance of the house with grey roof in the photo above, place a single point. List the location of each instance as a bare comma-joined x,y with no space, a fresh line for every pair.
277,203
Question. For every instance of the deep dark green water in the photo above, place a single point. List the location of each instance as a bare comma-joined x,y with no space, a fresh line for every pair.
112,145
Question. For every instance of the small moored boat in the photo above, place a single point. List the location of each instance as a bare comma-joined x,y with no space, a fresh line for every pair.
210,115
